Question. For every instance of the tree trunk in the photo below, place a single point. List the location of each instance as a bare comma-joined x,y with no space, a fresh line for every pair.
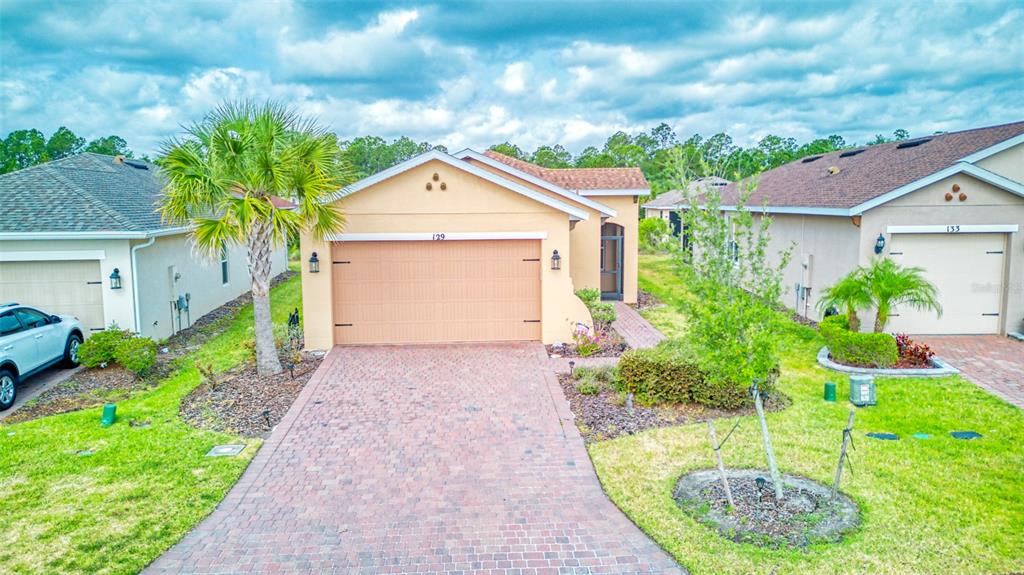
881,318
267,362
773,468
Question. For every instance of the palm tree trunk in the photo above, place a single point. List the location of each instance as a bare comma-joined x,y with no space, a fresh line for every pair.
881,317
267,362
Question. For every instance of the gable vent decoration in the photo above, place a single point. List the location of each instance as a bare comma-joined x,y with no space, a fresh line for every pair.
436,178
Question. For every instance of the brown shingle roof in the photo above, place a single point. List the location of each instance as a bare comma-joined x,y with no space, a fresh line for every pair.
868,173
579,178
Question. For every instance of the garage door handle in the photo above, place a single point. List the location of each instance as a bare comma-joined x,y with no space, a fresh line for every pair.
991,314
999,252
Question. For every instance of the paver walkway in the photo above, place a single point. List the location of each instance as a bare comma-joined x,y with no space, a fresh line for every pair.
426,459
636,330
994,363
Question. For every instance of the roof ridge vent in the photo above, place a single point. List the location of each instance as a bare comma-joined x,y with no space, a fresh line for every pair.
850,153
810,159
912,143
136,164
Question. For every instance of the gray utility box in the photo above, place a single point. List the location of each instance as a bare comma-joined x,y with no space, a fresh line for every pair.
862,390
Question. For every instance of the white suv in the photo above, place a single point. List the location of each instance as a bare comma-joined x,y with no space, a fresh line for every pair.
31,341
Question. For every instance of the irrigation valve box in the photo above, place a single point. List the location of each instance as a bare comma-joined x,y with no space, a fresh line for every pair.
862,390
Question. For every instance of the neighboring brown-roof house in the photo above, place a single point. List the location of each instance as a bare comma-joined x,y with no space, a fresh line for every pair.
579,178
673,198
849,178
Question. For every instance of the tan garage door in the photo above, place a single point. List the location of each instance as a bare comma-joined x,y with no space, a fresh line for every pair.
61,287
436,291
967,269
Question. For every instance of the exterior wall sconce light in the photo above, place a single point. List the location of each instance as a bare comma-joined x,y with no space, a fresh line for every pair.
115,279
314,264
556,261
880,244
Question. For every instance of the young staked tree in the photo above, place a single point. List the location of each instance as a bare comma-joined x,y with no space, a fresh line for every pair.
223,176
736,292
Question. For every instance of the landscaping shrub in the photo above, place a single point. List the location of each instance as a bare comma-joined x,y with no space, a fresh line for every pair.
587,344
913,353
854,348
653,234
659,374
604,373
101,347
603,313
588,386
136,354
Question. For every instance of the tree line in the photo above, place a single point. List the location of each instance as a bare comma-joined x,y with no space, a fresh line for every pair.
26,148
657,152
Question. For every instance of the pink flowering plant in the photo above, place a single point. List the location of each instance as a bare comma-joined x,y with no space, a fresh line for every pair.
587,343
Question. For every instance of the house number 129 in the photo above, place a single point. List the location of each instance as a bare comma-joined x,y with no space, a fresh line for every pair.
438,236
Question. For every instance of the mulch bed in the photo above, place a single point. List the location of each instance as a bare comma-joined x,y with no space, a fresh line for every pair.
88,388
604,416
645,300
96,386
805,515
614,347
242,402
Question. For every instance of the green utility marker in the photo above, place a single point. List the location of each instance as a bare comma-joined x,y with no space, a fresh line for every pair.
109,415
830,391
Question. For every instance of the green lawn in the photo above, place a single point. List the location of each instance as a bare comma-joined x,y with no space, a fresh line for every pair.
936,505
142,489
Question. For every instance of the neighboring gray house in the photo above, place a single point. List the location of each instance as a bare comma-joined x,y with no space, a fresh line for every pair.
666,206
81,236
952,204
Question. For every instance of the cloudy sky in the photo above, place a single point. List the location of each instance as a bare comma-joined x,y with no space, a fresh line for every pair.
474,74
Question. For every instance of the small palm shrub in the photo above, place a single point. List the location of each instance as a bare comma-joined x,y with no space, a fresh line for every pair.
101,347
854,348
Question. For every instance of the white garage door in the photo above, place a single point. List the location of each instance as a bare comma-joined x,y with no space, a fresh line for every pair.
967,269
61,288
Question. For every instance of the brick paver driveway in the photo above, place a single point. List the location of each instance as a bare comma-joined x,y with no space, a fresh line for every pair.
994,363
429,459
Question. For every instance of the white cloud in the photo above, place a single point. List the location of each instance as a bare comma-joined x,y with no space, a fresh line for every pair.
354,52
513,80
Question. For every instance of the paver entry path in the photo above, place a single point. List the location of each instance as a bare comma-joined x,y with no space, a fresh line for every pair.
422,459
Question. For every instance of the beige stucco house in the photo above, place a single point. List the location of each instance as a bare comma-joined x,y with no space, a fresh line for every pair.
81,236
471,247
952,204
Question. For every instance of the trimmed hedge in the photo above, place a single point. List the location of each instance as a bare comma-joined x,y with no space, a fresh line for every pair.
876,350
669,373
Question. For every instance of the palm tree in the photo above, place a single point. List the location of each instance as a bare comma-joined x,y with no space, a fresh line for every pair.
850,293
222,176
892,284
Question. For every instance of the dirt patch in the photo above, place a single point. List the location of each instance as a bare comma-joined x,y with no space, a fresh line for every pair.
604,415
96,386
242,402
806,514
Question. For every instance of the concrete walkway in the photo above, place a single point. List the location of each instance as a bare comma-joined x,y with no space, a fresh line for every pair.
422,459
993,363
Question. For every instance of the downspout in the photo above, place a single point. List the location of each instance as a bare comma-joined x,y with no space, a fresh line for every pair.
135,283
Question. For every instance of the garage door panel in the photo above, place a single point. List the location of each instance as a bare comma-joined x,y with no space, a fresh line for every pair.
57,287
967,270
424,292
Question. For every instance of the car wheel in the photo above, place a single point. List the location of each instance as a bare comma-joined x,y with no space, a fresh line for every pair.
7,389
71,350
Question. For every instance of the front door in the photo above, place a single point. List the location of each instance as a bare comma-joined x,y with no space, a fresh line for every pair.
611,261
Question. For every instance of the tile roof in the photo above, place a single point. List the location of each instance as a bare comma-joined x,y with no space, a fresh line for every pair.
848,178
82,193
579,178
673,198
